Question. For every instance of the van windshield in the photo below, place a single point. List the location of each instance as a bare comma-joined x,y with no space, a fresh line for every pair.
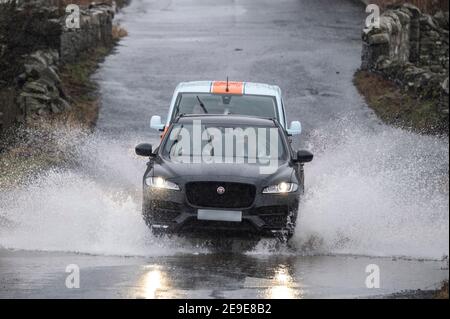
208,103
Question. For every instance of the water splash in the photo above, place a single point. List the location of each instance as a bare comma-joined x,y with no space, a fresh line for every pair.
375,191
93,207
381,191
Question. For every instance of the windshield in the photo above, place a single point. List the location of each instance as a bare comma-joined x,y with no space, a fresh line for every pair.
197,141
207,103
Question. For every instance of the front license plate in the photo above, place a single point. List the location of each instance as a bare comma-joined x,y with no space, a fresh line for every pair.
219,215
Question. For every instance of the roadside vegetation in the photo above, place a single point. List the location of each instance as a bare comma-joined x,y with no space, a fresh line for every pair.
77,83
443,292
51,141
398,107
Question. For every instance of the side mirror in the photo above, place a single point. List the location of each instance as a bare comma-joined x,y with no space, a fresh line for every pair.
156,123
144,150
304,157
295,128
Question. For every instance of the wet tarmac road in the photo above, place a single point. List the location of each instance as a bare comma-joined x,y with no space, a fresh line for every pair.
42,275
311,50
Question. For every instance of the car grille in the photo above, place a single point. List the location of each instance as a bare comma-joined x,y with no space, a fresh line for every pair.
236,195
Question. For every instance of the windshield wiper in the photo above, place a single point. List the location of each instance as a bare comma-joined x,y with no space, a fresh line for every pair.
202,105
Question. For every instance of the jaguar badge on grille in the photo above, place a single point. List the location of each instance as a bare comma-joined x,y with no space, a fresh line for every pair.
220,190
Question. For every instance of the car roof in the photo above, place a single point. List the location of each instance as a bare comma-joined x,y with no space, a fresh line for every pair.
250,88
228,119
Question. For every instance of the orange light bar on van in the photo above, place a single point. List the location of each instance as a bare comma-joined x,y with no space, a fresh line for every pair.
233,87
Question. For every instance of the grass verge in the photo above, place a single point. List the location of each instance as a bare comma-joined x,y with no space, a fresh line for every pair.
80,88
399,108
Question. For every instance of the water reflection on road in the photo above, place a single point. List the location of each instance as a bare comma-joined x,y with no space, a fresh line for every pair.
282,277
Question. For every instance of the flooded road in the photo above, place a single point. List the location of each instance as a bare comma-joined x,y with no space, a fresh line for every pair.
374,193
34,274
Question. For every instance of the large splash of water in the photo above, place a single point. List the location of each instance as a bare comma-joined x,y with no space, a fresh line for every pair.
381,191
90,207
369,191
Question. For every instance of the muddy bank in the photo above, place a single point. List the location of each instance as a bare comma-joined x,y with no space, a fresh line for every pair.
441,293
400,108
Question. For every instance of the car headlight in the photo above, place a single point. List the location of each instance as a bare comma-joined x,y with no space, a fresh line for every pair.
159,182
281,188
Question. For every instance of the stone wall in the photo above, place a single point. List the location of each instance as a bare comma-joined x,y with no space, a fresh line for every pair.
8,112
427,6
95,30
23,30
411,48
40,89
433,43
34,43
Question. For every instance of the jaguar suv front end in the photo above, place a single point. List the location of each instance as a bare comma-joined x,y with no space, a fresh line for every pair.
223,175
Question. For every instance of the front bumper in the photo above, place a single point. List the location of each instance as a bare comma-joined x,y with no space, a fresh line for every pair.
268,216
